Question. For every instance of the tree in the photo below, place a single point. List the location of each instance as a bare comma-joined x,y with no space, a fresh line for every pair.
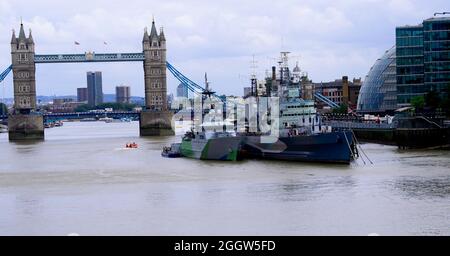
83,108
445,103
432,100
115,106
418,102
342,109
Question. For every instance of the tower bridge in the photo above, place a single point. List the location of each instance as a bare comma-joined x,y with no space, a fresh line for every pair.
26,123
156,120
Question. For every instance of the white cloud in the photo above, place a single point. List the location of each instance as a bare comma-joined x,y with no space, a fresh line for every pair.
333,38
184,21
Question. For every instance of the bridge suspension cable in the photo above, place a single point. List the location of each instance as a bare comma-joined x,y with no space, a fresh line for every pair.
324,99
5,73
192,86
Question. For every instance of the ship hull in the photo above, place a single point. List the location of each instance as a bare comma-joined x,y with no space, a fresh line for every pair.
335,147
224,149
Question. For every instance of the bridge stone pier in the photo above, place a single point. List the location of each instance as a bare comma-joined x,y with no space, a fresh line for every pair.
26,123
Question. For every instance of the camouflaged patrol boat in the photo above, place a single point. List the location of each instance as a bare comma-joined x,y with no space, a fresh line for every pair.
223,146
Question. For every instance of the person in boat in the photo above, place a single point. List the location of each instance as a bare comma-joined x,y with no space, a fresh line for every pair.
131,145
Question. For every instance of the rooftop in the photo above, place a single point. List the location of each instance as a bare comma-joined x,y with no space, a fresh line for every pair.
447,18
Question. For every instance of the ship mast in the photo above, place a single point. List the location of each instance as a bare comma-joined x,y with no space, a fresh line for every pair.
206,94
254,81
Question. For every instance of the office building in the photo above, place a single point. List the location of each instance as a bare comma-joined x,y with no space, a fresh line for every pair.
182,91
340,91
82,94
423,59
95,90
419,63
410,70
64,105
247,91
123,94
436,32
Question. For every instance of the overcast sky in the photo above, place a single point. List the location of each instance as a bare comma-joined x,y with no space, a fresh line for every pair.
328,38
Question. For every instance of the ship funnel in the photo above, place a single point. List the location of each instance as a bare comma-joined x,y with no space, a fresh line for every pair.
274,73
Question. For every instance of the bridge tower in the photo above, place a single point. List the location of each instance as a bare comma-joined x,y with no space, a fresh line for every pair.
156,120
24,69
155,69
23,123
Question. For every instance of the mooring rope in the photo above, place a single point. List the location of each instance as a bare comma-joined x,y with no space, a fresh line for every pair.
359,145
350,148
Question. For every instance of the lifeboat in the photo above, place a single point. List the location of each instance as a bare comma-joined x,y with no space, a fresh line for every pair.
132,145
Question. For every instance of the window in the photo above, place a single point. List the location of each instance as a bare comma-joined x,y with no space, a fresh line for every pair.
156,84
22,57
24,101
23,88
23,74
155,71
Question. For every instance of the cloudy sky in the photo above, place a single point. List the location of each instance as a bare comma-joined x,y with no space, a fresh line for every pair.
328,38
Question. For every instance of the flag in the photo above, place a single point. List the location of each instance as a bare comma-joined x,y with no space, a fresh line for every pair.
76,43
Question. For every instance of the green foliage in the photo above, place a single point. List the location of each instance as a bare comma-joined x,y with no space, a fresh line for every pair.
114,106
3,109
117,106
83,108
445,103
432,100
342,109
418,102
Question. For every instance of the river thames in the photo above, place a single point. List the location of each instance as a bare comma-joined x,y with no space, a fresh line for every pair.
81,180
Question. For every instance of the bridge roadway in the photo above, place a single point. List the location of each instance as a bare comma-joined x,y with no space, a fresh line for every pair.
88,57
80,115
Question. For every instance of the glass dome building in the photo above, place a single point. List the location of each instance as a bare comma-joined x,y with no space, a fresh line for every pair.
378,92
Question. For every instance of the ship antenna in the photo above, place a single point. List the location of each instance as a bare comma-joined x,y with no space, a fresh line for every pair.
254,67
206,81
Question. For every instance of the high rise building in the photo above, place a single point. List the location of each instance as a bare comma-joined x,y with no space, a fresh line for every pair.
247,91
423,59
410,81
82,94
182,91
95,91
123,94
436,42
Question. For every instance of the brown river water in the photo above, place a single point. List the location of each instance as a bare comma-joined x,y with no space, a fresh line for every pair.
81,180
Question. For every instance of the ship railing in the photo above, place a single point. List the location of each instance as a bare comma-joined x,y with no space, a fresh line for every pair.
356,125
